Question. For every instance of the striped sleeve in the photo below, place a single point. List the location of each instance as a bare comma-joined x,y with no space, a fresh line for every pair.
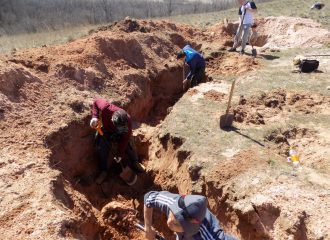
160,200
210,228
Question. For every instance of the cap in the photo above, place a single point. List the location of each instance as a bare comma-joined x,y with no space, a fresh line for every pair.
180,54
120,120
190,211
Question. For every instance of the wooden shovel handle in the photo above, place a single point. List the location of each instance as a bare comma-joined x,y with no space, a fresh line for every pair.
230,95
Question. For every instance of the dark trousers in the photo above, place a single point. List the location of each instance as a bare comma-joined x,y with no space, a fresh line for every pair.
107,143
197,77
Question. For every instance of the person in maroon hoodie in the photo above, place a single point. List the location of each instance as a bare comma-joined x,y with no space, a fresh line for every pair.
116,128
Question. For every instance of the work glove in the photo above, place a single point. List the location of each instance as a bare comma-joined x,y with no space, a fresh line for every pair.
94,122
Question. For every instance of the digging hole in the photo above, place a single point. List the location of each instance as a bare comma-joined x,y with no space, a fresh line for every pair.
260,41
75,156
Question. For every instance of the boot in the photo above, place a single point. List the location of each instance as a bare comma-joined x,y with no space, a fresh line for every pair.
232,50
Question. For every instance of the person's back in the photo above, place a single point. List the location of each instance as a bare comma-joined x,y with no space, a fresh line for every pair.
196,63
192,56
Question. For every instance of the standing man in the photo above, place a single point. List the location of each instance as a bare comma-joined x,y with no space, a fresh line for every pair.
196,63
117,136
246,12
187,216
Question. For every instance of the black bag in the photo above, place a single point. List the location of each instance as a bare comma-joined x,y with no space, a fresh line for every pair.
308,65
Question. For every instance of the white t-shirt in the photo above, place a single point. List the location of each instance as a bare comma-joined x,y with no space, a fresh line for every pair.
248,19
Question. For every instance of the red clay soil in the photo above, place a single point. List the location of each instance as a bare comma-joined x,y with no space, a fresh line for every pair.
47,158
45,96
263,107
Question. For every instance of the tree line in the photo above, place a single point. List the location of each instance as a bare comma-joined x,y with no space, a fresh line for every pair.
28,16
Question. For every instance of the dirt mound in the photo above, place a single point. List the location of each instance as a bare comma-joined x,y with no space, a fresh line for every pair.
12,78
273,105
121,217
220,63
290,32
214,95
48,163
283,138
44,112
276,33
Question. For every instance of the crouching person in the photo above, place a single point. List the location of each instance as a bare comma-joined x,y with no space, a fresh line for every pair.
187,216
196,63
114,127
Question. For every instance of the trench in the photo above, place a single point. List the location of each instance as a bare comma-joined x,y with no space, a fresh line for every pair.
74,155
97,216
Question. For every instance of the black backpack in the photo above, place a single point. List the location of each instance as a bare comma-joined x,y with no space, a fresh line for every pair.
308,65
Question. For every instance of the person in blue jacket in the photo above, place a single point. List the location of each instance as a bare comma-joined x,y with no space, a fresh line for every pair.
196,63
187,216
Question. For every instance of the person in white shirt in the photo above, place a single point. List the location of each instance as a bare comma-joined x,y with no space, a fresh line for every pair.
246,12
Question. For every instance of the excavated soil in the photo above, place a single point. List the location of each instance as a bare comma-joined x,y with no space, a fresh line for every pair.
278,104
276,33
48,161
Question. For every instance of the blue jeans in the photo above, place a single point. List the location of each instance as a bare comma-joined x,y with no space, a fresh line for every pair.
245,29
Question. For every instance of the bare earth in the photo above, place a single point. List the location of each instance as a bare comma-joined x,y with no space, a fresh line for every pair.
48,162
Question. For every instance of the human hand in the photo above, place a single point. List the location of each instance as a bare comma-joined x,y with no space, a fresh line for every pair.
94,122
150,234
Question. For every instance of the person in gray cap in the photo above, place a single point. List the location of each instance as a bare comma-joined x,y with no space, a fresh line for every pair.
187,216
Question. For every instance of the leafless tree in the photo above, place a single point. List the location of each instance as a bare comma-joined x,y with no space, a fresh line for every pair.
18,16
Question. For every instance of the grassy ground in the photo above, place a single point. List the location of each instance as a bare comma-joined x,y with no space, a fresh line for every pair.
7,43
293,8
296,8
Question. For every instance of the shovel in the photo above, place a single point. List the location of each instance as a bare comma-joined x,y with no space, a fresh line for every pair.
227,119
254,52
253,36
141,227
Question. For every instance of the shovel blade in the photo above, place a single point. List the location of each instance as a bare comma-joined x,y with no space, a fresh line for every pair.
226,120
254,52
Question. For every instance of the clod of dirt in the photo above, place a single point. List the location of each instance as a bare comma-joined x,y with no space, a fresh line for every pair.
282,137
305,103
214,95
119,215
220,63
192,91
242,115
267,105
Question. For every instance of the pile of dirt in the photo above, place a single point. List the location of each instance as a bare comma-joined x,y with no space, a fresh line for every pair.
47,158
270,106
276,33
44,112
225,64
291,32
121,217
283,138
214,95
